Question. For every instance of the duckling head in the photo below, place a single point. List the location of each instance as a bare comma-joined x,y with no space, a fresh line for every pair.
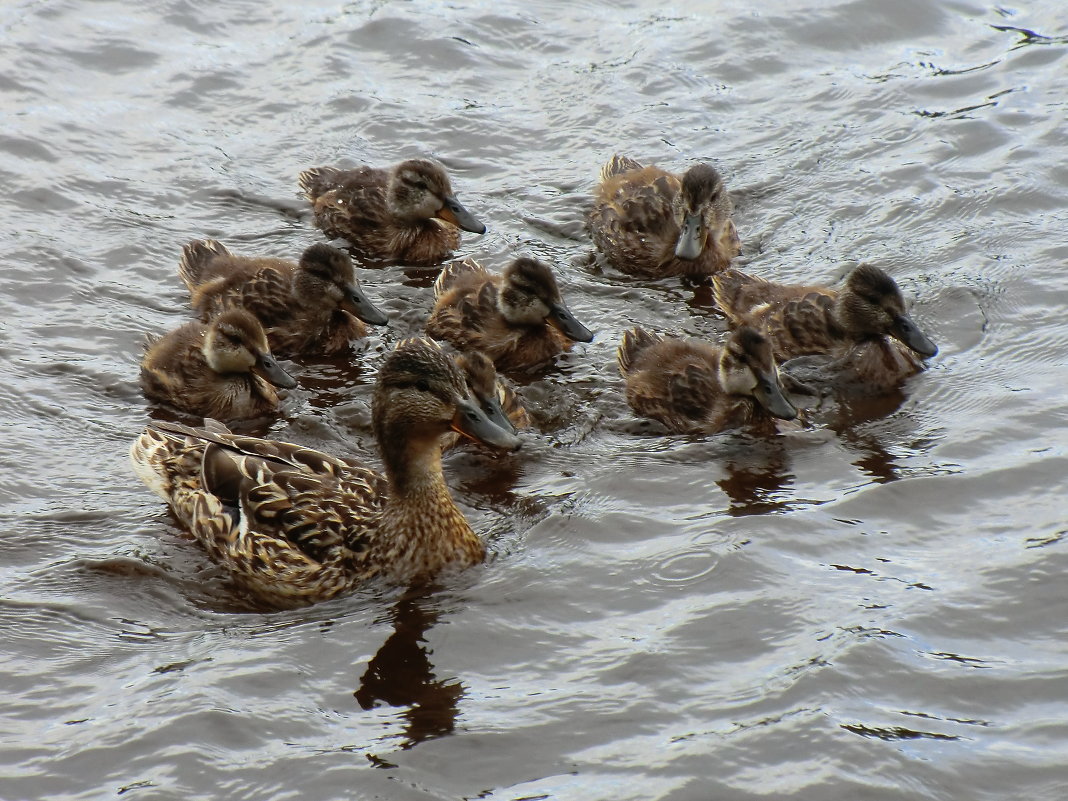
236,343
481,378
419,189
327,273
747,367
702,210
871,305
529,296
420,395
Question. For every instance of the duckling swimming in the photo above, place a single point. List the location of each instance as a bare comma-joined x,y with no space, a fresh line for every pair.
223,369
407,213
696,387
863,327
652,223
294,525
517,319
313,307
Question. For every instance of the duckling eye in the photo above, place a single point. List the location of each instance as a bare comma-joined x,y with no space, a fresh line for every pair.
422,386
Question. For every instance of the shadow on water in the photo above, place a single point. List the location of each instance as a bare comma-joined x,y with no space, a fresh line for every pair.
401,674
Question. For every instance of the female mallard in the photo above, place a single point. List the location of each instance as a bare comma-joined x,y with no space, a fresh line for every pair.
652,223
407,213
696,387
296,526
517,319
863,327
492,393
313,307
223,369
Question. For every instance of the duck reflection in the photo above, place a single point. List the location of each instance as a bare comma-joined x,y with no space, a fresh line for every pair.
402,675
873,458
756,478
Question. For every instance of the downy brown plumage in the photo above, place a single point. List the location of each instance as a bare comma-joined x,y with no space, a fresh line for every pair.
518,319
863,327
697,387
222,369
295,526
407,213
492,392
314,306
649,222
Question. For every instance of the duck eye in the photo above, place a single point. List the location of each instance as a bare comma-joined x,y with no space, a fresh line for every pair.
422,386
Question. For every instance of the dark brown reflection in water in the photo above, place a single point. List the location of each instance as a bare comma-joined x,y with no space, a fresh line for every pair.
869,605
401,674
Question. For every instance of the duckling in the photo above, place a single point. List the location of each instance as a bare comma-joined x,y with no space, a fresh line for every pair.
863,327
649,222
313,307
493,394
222,369
407,213
517,319
294,525
696,387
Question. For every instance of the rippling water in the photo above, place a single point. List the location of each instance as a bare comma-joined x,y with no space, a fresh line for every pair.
871,607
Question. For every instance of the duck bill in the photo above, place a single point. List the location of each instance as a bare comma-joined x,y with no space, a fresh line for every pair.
909,333
692,238
495,414
561,318
472,422
267,367
769,394
453,212
357,303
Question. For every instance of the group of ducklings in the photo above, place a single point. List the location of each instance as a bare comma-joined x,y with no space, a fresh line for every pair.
294,525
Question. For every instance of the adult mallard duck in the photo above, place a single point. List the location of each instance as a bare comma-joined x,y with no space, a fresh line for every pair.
314,306
649,222
407,213
863,328
295,526
492,393
222,369
696,387
517,319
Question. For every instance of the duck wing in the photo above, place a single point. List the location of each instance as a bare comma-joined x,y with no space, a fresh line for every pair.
290,523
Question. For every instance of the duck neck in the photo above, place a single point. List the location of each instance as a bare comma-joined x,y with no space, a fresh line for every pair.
426,528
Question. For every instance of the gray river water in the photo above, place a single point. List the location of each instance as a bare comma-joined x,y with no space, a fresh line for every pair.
870,606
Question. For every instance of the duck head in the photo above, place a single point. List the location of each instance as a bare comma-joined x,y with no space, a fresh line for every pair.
235,342
871,305
419,189
481,378
327,273
702,211
747,367
529,296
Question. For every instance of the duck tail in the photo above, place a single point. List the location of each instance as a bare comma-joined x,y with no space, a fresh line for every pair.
733,292
318,181
452,272
630,347
617,165
195,258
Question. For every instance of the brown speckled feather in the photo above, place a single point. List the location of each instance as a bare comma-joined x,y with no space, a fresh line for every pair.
291,524
352,204
175,372
633,224
676,382
219,280
467,316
